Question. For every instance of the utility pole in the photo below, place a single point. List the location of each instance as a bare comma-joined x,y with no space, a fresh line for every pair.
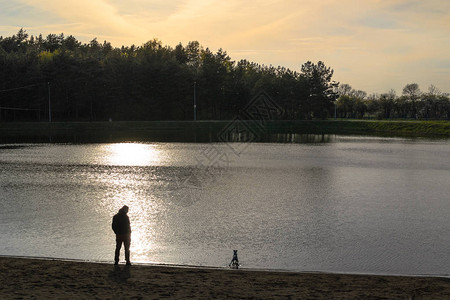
335,109
195,101
49,103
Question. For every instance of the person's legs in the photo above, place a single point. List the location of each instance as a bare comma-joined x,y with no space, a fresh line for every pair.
118,246
126,243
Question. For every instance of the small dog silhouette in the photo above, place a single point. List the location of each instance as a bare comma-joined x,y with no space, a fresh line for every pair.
234,264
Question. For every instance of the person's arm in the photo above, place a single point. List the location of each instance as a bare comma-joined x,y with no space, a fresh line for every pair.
114,224
128,223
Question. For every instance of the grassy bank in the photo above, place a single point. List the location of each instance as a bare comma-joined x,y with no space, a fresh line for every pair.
375,127
209,131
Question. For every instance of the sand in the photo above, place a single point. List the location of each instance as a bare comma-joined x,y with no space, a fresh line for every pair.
22,278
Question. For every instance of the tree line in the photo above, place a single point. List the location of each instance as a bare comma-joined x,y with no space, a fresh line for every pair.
411,104
61,77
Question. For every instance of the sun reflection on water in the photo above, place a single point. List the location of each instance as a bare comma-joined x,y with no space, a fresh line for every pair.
143,232
143,213
130,182
132,154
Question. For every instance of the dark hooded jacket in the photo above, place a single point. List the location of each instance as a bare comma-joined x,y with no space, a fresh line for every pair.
121,223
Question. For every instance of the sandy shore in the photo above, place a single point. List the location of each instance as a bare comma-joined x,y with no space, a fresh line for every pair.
49,279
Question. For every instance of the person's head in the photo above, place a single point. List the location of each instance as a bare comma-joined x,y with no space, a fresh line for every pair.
124,209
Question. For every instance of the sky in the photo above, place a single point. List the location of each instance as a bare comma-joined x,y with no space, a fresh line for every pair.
373,45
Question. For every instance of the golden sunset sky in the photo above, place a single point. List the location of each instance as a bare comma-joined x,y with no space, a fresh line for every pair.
372,45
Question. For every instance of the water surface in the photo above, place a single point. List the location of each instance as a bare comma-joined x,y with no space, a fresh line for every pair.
365,205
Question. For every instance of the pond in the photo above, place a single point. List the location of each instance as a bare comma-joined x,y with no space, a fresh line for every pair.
340,204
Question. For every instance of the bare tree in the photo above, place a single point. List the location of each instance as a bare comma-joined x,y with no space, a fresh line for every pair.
434,91
344,89
412,92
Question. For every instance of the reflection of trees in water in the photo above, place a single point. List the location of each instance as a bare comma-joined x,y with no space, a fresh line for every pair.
298,138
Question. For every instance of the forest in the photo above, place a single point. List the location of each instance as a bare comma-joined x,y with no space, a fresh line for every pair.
59,78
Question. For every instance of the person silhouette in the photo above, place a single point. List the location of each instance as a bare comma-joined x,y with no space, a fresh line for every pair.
122,229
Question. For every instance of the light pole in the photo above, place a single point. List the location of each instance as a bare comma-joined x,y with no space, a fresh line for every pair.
335,109
49,103
195,101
